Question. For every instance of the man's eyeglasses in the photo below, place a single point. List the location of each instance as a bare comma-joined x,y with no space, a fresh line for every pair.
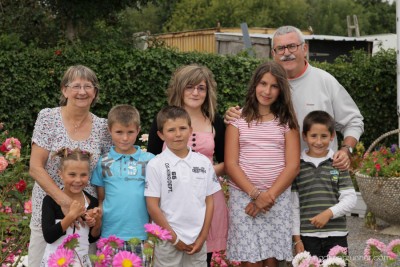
200,88
280,50
77,87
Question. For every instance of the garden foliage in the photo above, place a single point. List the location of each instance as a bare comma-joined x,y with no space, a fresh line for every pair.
30,79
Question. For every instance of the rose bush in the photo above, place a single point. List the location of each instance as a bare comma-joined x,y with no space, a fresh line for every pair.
15,204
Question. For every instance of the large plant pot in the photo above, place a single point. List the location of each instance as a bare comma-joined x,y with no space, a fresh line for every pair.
382,196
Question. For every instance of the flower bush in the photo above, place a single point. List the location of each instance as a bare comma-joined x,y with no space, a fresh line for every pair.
15,204
383,162
219,260
110,251
374,252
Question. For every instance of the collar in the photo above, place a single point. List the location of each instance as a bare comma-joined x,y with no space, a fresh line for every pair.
116,156
307,158
174,159
302,72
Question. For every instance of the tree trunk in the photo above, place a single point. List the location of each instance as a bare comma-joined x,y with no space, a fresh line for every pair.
70,32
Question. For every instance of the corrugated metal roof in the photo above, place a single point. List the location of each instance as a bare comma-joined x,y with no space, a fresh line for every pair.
307,37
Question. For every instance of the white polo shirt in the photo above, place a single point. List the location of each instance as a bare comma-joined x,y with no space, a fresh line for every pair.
182,185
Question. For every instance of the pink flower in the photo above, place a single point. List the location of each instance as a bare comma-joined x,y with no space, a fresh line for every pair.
3,164
374,249
103,257
310,262
61,258
11,143
126,259
28,206
71,241
8,209
112,241
157,231
337,251
393,249
13,155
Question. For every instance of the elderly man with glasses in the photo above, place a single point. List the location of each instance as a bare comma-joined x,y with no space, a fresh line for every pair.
315,89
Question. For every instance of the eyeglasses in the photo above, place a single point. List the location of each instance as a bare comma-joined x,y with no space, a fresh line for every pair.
200,88
280,50
77,87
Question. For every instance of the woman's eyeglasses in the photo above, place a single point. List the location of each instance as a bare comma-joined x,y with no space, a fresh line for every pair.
77,87
200,88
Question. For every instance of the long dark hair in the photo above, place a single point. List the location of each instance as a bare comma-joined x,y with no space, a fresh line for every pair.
282,108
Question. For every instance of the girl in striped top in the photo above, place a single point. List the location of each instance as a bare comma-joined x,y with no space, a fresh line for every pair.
262,152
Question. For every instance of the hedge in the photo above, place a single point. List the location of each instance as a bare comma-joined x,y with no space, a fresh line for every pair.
30,77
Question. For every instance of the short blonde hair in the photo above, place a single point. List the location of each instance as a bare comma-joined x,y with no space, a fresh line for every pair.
193,74
83,72
123,114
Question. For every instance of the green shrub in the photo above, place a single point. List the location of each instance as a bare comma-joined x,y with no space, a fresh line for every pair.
30,80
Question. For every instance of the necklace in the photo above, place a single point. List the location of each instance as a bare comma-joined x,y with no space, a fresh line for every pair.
262,115
78,125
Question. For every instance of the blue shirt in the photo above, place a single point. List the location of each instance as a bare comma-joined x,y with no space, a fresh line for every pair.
124,205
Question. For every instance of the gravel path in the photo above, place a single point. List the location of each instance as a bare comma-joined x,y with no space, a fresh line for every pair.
359,234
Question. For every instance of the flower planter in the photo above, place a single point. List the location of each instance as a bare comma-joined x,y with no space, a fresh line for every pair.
382,196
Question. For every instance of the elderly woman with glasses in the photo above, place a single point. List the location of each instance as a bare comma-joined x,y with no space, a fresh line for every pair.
70,125
193,87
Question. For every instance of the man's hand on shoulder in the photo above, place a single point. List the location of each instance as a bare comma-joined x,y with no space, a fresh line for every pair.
231,114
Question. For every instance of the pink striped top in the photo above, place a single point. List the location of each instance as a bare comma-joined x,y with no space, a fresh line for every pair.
261,151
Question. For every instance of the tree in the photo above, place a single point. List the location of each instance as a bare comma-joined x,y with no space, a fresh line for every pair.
28,20
77,16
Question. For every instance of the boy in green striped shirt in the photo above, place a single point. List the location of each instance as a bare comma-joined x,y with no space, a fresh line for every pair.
321,194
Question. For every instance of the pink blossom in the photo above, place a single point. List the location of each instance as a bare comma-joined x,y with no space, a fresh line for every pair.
374,249
112,241
337,251
393,249
104,257
310,262
70,241
28,206
8,209
3,164
157,231
61,258
11,143
126,259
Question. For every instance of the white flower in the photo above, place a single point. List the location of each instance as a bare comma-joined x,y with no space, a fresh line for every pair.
144,137
300,257
334,262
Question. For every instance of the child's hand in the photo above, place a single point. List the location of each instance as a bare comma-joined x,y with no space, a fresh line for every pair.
321,219
76,209
182,246
93,217
265,201
299,247
252,209
196,246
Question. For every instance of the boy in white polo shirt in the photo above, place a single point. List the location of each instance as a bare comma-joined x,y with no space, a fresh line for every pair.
179,188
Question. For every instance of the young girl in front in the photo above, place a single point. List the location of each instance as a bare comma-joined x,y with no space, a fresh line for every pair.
74,172
262,152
